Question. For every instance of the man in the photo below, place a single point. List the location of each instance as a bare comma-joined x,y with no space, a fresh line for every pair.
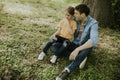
85,38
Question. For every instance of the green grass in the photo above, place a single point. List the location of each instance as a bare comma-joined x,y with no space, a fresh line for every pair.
22,36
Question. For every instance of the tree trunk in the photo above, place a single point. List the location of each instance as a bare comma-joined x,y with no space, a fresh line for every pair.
100,10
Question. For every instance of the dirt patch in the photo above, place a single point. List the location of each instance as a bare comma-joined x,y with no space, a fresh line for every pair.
41,21
10,74
16,8
107,43
60,1
5,34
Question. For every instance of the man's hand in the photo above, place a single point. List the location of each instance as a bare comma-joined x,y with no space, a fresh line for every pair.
74,54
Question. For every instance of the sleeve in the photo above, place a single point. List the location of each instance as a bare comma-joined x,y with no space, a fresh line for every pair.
94,34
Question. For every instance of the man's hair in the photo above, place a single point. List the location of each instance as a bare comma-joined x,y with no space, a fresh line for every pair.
70,10
83,8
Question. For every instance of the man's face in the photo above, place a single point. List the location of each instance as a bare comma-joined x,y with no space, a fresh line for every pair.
78,15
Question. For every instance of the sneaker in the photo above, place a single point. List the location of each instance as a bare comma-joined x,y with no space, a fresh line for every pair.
53,59
81,66
63,75
41,56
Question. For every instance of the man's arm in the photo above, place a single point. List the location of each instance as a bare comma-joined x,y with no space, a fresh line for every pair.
93,38
80,48
90,43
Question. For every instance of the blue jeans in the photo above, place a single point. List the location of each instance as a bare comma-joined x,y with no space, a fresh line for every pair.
79,58
67,50
63,41
48,45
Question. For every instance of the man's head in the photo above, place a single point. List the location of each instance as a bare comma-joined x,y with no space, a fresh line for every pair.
81,12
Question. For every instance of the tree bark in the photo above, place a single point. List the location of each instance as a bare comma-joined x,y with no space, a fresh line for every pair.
100,10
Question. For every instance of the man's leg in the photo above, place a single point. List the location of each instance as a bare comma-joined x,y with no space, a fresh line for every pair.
79,58
66,71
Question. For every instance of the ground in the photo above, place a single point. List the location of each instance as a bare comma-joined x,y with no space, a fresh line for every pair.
25,27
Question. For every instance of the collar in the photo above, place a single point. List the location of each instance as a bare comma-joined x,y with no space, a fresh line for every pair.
78,22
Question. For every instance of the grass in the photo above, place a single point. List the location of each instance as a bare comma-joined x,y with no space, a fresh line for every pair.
23,34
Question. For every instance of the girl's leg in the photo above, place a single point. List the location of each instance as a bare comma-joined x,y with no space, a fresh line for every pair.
64,45
47,46
60,51
45,49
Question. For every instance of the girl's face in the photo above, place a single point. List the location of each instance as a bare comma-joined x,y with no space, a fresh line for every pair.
68,15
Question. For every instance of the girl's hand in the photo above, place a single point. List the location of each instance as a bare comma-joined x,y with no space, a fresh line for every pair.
52,37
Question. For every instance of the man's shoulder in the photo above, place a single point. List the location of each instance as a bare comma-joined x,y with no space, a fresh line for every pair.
92,20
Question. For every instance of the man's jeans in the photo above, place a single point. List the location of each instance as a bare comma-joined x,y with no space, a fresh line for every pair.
79,58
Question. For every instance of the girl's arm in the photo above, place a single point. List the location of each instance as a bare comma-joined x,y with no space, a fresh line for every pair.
56,33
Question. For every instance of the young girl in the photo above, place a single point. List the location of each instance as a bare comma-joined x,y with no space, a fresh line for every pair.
63,35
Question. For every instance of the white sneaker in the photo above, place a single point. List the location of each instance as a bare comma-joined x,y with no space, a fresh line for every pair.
41,56
53,59
81,66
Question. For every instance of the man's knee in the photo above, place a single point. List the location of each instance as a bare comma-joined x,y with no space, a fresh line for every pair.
81,56
84,53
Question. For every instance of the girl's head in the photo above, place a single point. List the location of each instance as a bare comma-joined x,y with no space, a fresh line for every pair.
69,13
